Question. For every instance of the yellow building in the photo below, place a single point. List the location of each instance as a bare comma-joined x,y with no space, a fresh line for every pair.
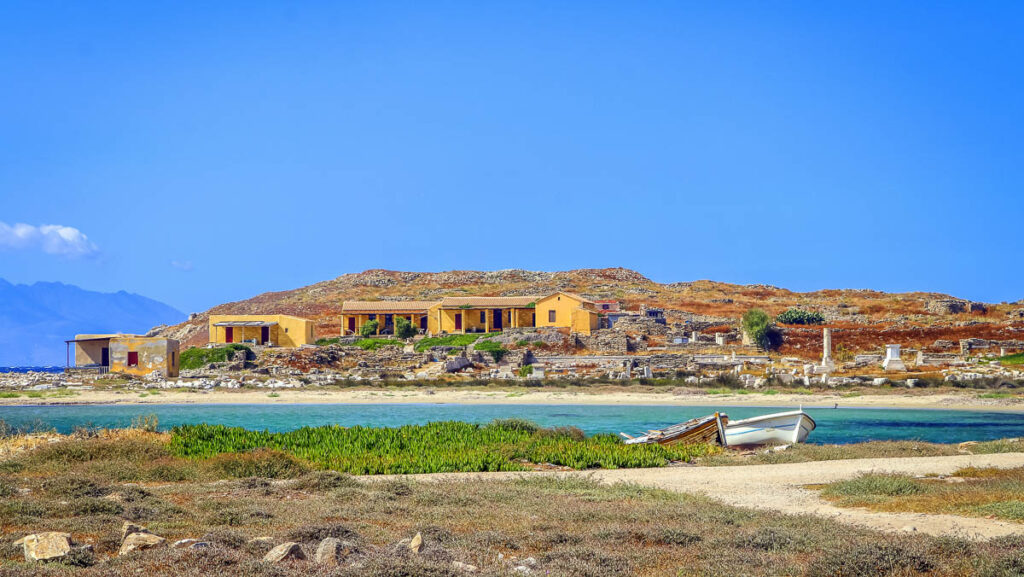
355,314
481,314
129,354
568,310
273,330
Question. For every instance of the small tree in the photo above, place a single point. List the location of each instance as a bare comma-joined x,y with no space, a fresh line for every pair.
759,327
800,317
404,328
369,328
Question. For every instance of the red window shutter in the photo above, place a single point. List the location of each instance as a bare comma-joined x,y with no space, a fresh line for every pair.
133,359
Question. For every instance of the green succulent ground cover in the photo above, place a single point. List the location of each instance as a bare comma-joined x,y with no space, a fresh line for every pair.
433,448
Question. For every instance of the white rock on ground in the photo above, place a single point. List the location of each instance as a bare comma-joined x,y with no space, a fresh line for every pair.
416,545
329,552
141,541
45,546
283,552
128,528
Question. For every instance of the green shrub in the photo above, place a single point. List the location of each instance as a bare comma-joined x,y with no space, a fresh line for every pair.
769,539
237,516
197,358
404,329
256,462
525,371
872,484
497,351
513,424
1017,359
870,560
758,325
326,481
324,342
451,341
70,487
374,344
800,317
676,537
148,423
316,533
94,506
369,328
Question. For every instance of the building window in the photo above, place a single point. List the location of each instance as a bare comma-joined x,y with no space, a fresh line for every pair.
174,359
133,359
483,317
551,316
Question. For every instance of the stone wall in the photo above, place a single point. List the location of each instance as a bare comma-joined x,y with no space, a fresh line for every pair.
640,325
937,359
605,340
946,306
967,345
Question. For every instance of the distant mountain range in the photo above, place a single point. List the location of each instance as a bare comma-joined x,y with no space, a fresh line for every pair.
36,319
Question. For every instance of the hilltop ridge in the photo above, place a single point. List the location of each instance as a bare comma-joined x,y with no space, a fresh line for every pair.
937,315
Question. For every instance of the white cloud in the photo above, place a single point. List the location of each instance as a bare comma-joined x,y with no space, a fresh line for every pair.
185,265
49,238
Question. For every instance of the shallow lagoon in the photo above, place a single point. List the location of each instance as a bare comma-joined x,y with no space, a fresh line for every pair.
845,425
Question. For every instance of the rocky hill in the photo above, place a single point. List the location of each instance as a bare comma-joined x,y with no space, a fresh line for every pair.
865,315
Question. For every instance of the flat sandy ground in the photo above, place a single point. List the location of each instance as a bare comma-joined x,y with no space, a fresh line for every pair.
783,488
966,400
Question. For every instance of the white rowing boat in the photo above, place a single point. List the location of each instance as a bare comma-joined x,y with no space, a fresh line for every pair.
787,427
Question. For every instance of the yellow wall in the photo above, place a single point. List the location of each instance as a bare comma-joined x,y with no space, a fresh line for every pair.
584,321
90,352
443,320
289,332
160,355
569,313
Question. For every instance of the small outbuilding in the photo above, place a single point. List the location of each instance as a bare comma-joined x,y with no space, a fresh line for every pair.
355,314
568,310
269,330
127,354
481,314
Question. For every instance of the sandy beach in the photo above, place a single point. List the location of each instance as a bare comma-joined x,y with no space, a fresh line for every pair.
520,396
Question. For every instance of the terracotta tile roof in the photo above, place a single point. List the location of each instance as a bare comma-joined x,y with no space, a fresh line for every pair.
353,307
488,302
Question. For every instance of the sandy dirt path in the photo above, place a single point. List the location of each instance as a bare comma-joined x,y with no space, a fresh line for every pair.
524,396
781,488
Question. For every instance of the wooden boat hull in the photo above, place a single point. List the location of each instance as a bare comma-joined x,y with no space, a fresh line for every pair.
710,429
781,428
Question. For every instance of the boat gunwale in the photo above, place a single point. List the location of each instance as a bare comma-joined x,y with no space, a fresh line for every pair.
795,412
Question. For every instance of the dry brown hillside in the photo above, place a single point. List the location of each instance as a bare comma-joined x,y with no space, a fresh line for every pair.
864,315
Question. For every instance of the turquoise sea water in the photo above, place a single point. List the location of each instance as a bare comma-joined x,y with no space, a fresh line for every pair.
834,425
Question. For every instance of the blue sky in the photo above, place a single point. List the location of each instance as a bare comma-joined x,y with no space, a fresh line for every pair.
199,154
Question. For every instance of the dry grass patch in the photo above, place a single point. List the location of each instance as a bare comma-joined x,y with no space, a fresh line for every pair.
803,453
993,493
